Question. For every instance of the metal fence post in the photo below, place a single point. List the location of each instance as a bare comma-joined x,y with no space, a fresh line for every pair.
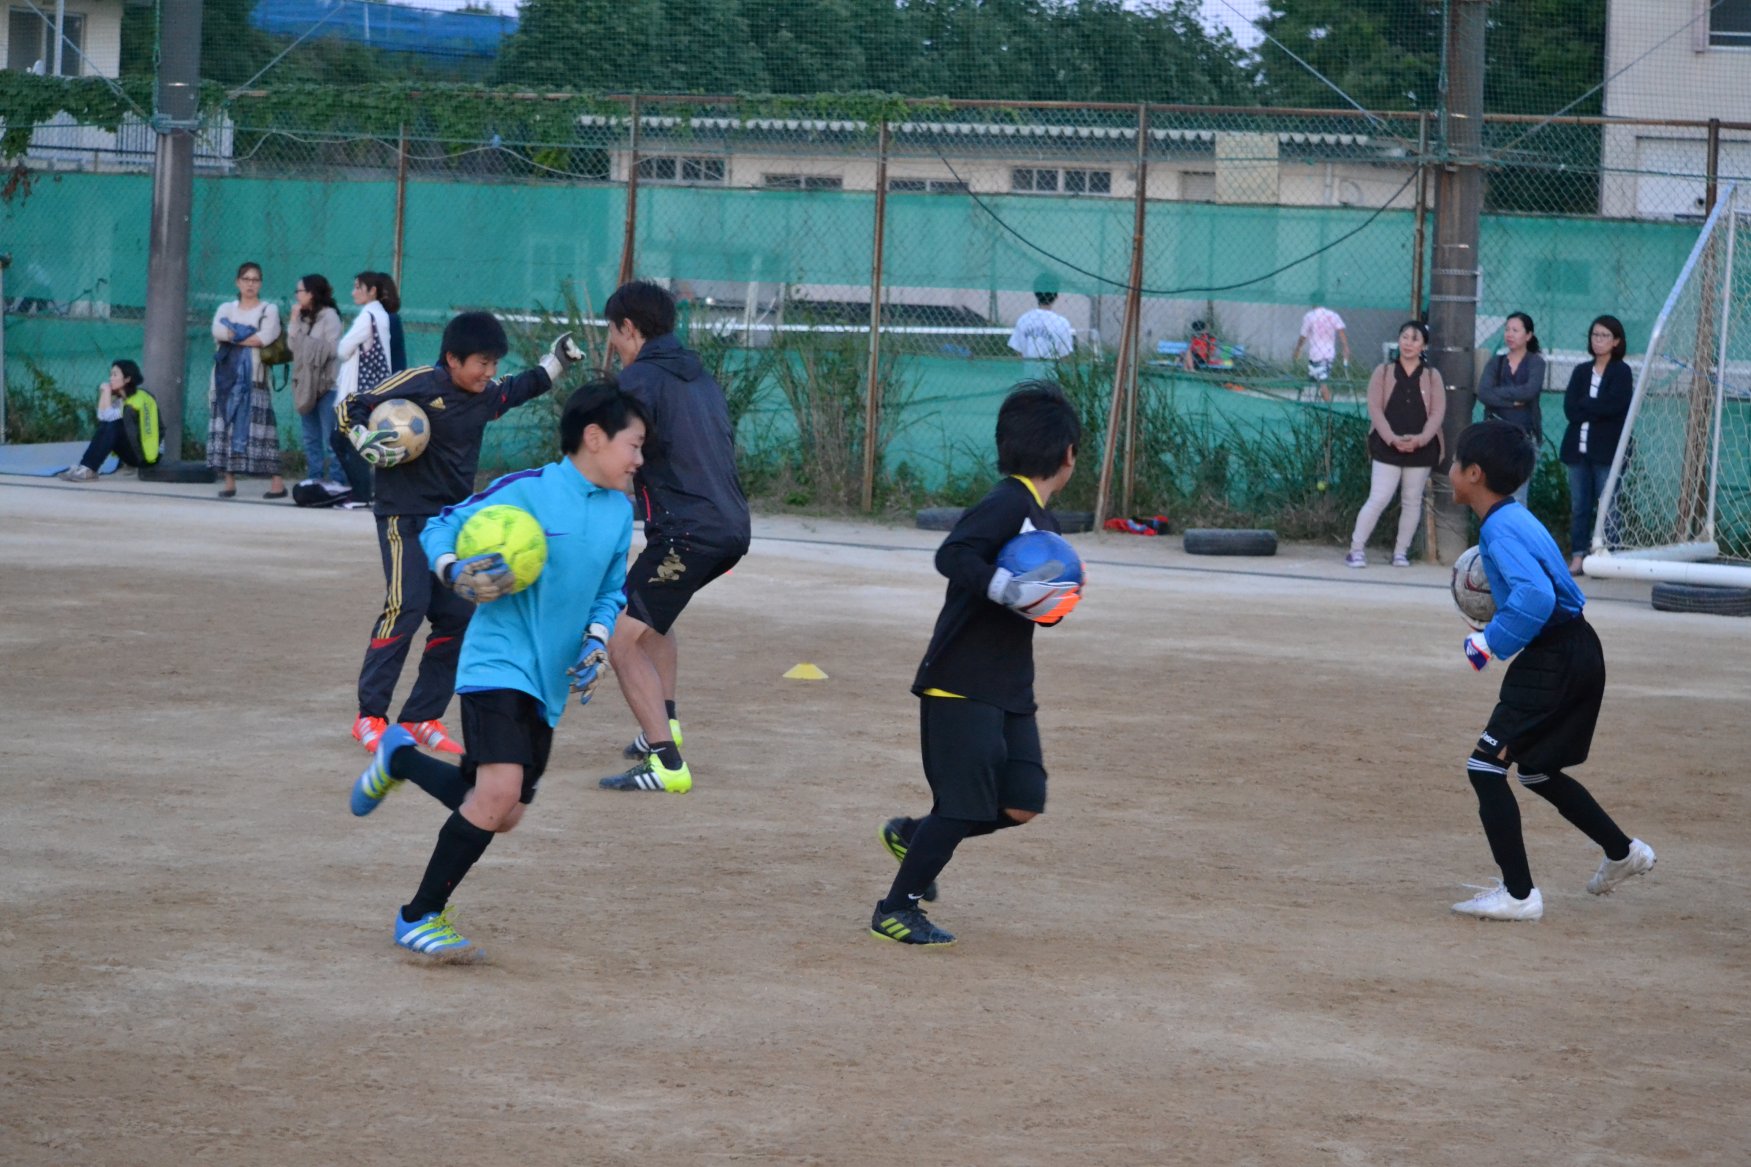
1714,166
400,203
1422,215
872,405
1134,303
628,241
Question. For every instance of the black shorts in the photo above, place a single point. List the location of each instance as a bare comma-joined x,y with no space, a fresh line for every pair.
1550,700
665,575
505,725
979,759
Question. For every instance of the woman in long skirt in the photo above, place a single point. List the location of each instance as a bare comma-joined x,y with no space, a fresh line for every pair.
243,435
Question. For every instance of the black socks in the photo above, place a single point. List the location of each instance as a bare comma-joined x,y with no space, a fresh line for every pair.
668,754
928,851
669,706
460,846
1574,803
1500,816
441,780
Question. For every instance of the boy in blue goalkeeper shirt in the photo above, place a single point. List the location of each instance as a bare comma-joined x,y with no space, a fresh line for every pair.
1551,694
521,657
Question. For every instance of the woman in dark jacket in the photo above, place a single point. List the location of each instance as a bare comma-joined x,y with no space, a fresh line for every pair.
1596,404
1511,383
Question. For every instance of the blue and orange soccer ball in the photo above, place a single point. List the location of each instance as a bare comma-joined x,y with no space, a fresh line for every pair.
1033,549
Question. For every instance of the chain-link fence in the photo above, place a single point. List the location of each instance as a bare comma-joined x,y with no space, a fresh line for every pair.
995,238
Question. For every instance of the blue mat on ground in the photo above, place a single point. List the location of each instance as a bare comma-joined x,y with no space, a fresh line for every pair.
46,459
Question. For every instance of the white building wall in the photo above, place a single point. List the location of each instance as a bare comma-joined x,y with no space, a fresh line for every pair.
103,35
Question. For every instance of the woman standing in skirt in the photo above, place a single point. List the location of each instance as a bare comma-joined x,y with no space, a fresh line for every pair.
1406,402
243,435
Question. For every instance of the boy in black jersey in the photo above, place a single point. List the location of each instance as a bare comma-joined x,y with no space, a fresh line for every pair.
459,395
975,685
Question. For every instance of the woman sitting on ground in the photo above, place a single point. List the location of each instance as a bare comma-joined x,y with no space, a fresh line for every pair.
127,425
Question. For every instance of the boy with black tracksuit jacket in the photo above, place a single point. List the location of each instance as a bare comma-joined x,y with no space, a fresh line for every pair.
459,395
980,743
696,523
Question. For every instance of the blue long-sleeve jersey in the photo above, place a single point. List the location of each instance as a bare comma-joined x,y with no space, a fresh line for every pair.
1528,578
527,641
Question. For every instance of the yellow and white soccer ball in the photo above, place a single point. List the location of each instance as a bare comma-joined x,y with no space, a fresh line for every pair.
512,532
1471,589
412,428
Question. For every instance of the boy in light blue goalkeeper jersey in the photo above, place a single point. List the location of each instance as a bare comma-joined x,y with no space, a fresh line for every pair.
1551,694
521,657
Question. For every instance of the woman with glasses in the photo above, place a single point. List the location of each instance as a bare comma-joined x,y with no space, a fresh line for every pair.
1596,404
243,436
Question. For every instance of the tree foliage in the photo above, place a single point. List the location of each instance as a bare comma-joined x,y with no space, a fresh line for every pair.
1070,50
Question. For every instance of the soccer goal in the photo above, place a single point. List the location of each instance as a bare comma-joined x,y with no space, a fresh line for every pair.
1677,503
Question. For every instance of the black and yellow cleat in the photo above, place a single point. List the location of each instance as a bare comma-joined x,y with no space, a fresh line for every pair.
651,774
908,926
893,837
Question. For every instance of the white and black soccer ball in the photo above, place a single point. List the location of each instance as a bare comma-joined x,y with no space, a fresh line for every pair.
1471,589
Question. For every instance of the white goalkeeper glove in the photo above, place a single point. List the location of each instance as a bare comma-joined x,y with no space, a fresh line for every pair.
1032,594
561,355
376,446
1477,651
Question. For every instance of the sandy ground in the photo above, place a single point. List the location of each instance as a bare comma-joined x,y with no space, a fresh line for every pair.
1228,942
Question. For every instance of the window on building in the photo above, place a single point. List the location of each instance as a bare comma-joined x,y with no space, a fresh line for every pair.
1088,181
1037,180
802,182
1729,24
925,186
30,38
1197,186
681,170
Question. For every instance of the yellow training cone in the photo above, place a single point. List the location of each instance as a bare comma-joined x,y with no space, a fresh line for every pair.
805,672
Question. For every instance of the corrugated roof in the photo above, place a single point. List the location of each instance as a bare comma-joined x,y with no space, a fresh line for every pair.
961,129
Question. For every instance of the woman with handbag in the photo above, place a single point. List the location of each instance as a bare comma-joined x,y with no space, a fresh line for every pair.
243,435
365,363
1511,384
1406,404
314,336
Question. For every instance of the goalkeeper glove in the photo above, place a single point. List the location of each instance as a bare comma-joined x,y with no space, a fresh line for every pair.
376,446
479,579
1477,651
561,355
588,669
1034,594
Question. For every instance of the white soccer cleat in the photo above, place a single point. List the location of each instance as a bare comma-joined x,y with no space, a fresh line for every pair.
1497,904
1639,861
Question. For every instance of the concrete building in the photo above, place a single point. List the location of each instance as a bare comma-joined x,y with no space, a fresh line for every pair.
1673,60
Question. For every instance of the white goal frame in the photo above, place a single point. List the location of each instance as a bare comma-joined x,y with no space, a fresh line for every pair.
1679,562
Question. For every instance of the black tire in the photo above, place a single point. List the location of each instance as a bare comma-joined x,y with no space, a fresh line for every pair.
1214,541
939,518
944,519
1708,598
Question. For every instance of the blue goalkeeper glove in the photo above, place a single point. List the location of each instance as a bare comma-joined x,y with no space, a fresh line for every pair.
1477,651
479,579
588,669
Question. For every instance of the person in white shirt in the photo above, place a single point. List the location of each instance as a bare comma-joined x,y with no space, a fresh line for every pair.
1322,330
1042,337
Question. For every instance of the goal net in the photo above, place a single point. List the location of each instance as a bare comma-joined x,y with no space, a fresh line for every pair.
1677,504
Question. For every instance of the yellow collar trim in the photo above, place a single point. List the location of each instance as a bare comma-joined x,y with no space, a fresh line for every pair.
1031,488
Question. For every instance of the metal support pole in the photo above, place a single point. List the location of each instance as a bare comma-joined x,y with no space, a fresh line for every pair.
1124,363
1457,271
872,404
400,203
60,36
1134,305
1714,166
5,262
628,241
1422,215
167,278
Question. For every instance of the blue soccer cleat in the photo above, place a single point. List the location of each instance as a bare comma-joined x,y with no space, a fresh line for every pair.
908,926
434,937
375,783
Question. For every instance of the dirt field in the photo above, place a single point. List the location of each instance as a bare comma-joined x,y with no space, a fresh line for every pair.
1228,942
